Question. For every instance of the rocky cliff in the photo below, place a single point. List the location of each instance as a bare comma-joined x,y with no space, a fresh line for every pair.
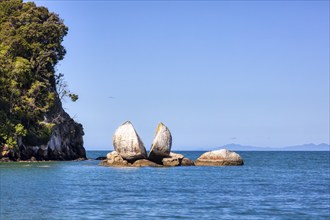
65,141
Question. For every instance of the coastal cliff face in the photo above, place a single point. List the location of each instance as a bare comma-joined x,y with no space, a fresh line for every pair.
65,141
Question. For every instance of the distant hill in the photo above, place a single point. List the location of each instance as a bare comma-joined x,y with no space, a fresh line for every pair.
304,147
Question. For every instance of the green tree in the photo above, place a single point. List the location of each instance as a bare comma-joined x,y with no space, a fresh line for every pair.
30,47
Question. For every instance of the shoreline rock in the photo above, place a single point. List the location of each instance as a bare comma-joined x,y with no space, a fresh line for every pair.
221,157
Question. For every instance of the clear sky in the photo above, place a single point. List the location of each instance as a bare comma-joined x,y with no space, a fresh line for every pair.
215,72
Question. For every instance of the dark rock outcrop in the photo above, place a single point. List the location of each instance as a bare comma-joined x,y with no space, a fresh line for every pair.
101,158
221,157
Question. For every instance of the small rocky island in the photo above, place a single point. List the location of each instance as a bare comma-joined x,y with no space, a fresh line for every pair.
129,151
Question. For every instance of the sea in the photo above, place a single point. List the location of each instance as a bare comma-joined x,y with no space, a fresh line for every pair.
270,185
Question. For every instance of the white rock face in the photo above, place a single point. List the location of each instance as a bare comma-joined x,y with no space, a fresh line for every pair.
161,145
128,144
221,157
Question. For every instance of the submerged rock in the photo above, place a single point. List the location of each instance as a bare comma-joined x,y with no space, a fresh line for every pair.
128,144
101,158
221,157
187,162
161,145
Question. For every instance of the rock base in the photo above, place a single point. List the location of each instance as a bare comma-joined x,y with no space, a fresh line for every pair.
115,160
212,158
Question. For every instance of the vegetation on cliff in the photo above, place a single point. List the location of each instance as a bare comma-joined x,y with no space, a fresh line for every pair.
30,47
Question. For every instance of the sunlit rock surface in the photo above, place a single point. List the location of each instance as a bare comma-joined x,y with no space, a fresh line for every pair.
128,144
114,160
221,157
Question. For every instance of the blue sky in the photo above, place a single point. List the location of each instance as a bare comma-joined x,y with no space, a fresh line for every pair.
215,72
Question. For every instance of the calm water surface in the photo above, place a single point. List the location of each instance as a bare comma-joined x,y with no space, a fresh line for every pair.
271,185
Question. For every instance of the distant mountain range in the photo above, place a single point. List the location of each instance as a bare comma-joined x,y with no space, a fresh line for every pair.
304,147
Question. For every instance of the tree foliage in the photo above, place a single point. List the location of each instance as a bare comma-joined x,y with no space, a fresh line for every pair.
30,47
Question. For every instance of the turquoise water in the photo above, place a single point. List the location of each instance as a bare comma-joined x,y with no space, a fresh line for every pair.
271,185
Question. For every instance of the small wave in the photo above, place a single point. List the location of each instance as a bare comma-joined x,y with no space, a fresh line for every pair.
44,166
